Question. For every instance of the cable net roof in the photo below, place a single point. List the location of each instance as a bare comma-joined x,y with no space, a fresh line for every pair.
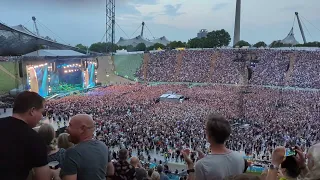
137,40
18,40
290,39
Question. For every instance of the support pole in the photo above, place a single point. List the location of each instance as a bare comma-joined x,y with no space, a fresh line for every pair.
301,28
236,37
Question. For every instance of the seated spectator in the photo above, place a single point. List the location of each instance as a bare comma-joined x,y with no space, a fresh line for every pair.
163,176
122,169
46,131
141,173
63,141
89,158
222,162
22,148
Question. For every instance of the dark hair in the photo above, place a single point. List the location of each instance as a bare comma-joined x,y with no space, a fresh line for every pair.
218,128
123,154
27,100
291,166
150,171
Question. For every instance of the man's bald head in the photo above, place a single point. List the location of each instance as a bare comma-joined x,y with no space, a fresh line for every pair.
81,128
134,161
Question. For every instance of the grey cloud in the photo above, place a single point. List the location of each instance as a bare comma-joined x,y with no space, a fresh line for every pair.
172,10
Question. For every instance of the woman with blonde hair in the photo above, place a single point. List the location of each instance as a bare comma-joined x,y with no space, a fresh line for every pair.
63,141
46,131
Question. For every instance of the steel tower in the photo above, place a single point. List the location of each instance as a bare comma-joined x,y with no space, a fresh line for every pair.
110,24
236,37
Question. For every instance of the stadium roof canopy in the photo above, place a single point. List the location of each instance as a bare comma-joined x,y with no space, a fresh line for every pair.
18,40
54,53
290,39
137,40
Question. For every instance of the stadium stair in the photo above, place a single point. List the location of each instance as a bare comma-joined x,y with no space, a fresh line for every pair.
146,59
213,61
290,71
178,66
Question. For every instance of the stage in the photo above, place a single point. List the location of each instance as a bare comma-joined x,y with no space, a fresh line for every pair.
62,75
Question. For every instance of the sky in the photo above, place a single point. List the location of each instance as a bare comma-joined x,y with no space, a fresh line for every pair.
83,21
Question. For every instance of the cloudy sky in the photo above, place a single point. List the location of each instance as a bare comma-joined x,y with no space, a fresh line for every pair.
83,21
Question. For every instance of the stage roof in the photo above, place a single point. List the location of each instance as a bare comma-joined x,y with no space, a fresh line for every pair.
54,53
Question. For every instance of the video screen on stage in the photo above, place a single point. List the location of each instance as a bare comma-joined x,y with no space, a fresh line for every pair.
67,77
89,75
38,77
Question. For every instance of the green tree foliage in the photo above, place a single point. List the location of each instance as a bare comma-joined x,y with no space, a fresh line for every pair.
176,44
260,44
141,47
242,43
217,38
82,47
278,43
158,45
309,44
102,47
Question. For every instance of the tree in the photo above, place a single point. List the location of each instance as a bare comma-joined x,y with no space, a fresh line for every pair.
141,47
217,38
82,47
102,47
242,43
176,44
278,43
159,45
260,44
309,44
130,48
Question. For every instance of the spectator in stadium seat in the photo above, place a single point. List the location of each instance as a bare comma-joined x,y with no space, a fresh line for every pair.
141,173
87,160
150,172
63,141
46,131
163,176
22,148
122,169
222,162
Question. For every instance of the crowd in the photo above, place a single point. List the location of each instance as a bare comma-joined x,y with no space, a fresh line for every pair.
270,67
112,130
83,154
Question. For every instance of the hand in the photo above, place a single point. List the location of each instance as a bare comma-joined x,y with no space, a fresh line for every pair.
278,155
300,158
55,173
188,160
200,154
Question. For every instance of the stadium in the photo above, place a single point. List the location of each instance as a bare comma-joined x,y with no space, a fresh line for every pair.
157,105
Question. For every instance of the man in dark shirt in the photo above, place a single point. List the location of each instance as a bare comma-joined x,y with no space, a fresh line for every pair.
122,169
22,149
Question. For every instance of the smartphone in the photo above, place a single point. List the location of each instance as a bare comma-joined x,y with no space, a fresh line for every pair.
290,152
54,165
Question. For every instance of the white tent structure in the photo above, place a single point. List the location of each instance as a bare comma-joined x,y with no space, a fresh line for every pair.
139,39
290,39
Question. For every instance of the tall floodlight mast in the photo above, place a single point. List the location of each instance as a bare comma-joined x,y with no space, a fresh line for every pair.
142,29
236,37
301,28
35,25
110,24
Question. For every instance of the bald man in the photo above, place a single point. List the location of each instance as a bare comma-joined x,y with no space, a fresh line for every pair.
88,159
141,173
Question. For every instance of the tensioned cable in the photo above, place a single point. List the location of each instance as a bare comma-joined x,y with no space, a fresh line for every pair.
122,30
136,30
310,23
51,31
150,32
307,29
